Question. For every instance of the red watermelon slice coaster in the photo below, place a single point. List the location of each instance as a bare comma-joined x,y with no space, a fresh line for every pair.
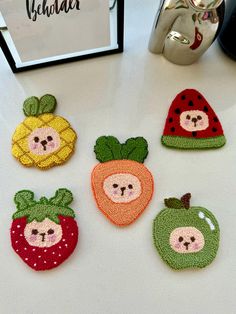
44,233
192,123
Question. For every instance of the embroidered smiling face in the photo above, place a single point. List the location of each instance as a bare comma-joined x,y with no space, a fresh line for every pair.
43,141
187,240
122,187
43,234
205,4
194,120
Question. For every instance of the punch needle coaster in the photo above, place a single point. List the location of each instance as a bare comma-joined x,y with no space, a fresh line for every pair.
192,123
122,185
43,139
44,233
184,236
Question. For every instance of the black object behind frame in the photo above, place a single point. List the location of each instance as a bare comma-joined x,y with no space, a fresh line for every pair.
120,42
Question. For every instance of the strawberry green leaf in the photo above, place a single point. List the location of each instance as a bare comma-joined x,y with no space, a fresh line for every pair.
173,203
31,106
135,149
107,148
24,199
21,214
47,104
63,197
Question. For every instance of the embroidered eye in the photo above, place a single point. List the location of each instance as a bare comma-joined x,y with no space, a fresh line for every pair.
199,117
50,231
181,239
49,138
192,239
188,117
34,231
130,186
36,139
115,186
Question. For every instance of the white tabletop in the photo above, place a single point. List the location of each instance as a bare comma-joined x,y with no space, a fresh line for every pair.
117,270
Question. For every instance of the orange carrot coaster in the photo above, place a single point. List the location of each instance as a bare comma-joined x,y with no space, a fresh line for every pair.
121,184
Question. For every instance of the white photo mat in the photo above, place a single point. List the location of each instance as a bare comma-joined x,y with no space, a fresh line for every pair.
66,31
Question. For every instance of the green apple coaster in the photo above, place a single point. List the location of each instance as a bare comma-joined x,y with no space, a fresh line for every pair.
184,236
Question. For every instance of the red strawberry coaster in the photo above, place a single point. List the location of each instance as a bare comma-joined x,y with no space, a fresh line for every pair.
192,123
44,233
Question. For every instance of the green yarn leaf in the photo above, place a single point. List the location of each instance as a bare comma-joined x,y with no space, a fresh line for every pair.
47,104
21,214
107,148
24,199
135,149
31,106
63,197
173,203
34,107
57,206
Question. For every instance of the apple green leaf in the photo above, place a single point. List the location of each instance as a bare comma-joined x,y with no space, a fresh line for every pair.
173,203
107,148
135,149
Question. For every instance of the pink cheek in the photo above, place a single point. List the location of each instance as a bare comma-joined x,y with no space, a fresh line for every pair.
34,146
201,123
196,246
51,144
177,245
186,123
131,193
52,238
115,193
33,238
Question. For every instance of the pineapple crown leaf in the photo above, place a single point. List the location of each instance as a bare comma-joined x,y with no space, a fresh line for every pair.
33,106
183,203
108,148
45,208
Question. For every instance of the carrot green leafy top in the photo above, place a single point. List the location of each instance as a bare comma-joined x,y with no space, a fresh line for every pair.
51,208
108,148
33,106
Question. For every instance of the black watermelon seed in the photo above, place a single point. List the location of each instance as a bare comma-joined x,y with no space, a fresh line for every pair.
177,110
194,133
172,129
214,129
183,97
191,104
170,120
199,97
205,109
216,119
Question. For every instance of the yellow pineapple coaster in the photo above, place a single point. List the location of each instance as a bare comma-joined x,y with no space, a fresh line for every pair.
43,140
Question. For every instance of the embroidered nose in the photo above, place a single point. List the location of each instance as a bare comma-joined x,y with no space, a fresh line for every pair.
43,236
122,190
186,244
44,143
194,120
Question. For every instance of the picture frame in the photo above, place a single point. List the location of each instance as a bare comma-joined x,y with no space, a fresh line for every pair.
10,52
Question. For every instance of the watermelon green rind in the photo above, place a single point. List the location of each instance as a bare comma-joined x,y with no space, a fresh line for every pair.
180,142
